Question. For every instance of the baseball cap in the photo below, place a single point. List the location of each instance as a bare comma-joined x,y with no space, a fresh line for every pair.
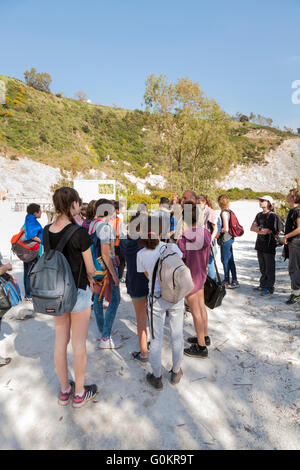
267,198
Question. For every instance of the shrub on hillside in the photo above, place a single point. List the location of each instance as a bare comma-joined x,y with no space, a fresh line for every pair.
39,81
30,109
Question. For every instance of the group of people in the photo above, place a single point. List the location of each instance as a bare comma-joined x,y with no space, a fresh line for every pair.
193,230
266,225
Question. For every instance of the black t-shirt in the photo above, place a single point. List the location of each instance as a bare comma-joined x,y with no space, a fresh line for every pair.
78,243
266,243
291,224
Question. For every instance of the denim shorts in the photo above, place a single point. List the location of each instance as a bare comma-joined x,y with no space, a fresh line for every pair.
139,298
84,300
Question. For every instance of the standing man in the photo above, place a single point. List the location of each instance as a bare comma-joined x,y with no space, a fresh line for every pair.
265,227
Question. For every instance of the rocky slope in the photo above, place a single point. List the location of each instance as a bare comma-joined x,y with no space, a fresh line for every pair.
26,178
277,174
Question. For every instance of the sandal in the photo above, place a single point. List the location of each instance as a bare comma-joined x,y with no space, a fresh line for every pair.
4,361
137,356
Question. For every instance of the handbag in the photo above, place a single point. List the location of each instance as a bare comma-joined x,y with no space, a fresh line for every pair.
214,291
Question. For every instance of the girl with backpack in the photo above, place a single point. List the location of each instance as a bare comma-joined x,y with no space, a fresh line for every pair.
226,241
78,253
292,242
265,227
151,233
195,245
136,283
102,227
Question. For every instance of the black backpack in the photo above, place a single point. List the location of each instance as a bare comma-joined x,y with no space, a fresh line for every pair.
52,283
279,227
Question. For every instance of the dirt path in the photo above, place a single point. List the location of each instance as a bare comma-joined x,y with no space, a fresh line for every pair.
245,396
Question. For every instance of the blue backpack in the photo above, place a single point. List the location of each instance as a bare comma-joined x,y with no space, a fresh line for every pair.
11,293
101,270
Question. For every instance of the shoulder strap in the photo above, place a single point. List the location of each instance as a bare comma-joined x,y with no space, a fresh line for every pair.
152,295
72,228
216,268
92,229
46,238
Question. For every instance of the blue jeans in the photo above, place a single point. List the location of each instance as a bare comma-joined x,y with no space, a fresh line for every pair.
105,322
26,278
211,265
228,261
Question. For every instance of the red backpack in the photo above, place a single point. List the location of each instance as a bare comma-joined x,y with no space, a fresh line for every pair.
235,229
26,251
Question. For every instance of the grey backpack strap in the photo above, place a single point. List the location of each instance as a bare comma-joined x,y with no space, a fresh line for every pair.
72,228
152,296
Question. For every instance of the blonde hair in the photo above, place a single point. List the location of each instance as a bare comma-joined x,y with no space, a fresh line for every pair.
223,201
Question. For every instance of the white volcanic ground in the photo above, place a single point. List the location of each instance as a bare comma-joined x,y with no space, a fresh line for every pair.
244,396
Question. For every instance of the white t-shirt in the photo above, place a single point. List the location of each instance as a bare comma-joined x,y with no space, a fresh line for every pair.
146,260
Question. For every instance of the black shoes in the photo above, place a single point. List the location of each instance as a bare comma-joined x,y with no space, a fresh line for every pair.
138,357
294,299
156,382
196,351
176,376
194,340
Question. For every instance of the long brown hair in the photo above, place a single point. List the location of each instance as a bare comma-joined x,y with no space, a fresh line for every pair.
63,199
223,201
205,198
91,210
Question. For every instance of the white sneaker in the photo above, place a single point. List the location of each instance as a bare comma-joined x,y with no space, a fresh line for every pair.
113,333
109,344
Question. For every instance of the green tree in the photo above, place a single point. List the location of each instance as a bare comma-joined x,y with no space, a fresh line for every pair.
39,81
189,129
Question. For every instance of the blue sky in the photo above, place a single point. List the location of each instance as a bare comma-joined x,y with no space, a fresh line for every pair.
244,54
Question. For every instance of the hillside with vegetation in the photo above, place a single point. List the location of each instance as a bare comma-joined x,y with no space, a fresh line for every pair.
175,142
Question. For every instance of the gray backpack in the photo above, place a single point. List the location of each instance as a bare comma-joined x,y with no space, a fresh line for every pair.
52,283
174,277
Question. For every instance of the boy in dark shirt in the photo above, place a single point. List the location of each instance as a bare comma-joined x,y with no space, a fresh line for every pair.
265,227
